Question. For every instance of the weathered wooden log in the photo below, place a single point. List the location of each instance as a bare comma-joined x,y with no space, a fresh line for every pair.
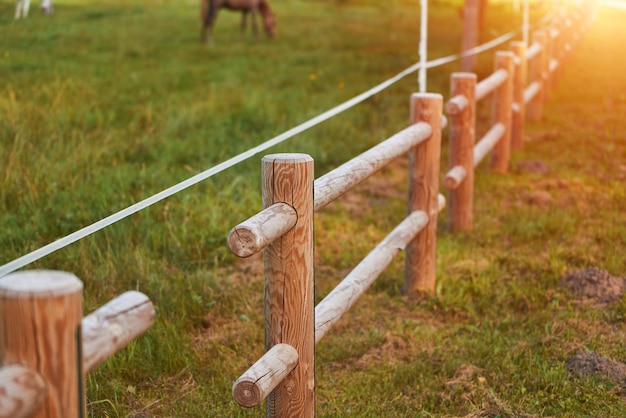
454,177
338,181
518,106
462,135
289,305
350,289
487,142
420,261
552,67
536,75
256,233
533,51
531,91
502,100
458,103
112,326
40,326
22,391
264,375
490,84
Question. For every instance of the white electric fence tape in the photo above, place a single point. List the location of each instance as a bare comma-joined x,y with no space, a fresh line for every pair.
124,213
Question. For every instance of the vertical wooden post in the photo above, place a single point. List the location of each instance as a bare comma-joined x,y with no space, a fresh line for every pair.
502,100
40,326
469,38
535,107
423,195
289,304
462,136
519,107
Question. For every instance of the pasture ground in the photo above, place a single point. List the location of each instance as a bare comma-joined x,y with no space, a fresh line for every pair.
107,103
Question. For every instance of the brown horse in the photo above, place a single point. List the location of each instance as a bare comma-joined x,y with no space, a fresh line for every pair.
209,9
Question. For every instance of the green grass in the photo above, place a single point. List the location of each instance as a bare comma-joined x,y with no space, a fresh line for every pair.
104,104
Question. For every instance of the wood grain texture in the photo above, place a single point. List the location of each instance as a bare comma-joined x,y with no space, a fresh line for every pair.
22,391
257,232
338,181
115,324
289,279
462,135
502,113
264,375
519,84
420,274
40,326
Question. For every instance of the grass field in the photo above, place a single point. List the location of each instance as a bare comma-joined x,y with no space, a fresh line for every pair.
106,103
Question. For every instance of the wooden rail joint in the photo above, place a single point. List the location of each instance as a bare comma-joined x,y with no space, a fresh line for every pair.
263,376
260,230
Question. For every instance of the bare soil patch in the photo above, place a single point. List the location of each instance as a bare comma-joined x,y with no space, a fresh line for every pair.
586,363
594,285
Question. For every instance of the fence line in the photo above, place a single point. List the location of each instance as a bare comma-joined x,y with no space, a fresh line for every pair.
46,351
143,204
47,347
287,301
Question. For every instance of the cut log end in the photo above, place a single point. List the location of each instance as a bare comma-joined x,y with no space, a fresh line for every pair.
39,284
247,394
243,242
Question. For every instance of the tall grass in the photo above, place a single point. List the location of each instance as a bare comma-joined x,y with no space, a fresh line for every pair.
106,103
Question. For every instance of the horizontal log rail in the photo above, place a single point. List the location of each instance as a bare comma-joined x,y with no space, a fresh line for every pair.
454,177
263,376
345,177
533,50
350,289
531,91
41,317
113,326
256,233
490,84
22,391
488,142
554,64
260,230
456,105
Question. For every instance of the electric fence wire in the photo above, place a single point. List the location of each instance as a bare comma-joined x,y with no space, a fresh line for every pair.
124,213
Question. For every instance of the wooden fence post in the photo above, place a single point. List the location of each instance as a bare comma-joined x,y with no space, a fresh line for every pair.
40,326
289,298
537,66
462,136
519,107
502,101
423,195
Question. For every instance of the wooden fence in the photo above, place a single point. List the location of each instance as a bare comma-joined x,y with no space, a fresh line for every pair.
46,347
284,228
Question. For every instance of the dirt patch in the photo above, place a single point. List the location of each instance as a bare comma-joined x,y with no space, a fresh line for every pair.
585,364
533,166
595,285
538,198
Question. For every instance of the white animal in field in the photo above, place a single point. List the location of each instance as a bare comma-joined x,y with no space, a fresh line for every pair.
21,9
